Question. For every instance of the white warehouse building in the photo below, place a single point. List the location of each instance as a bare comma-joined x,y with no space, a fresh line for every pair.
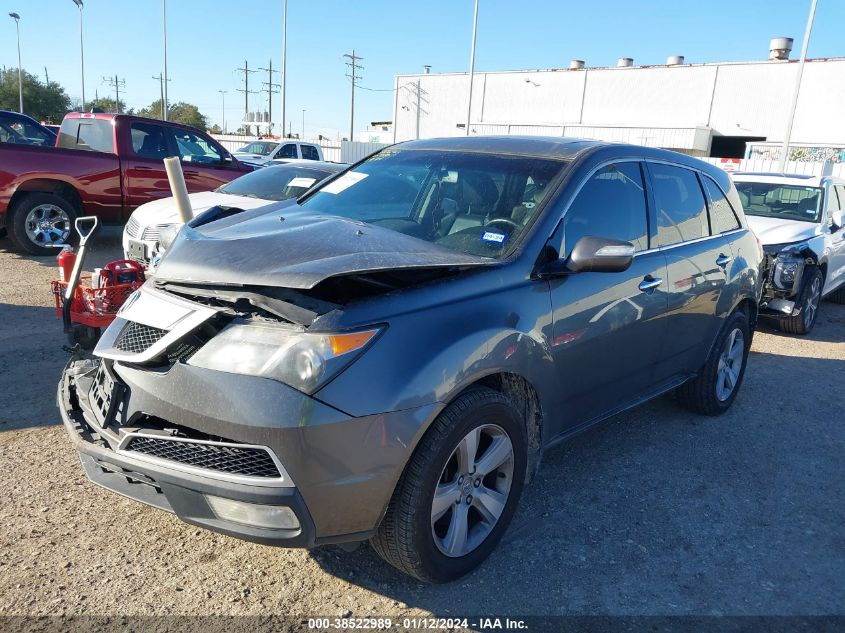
710,109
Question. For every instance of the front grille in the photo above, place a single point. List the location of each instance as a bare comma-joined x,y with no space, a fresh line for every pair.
235,460
152,233
133,228
137,337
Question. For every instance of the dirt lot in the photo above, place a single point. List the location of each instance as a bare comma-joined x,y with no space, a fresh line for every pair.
656,512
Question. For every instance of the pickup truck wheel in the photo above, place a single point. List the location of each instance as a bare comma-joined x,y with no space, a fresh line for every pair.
715,387
41,222
459,491
811,296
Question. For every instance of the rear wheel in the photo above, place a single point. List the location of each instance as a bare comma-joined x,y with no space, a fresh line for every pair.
811,296
459,491
41,223
714,389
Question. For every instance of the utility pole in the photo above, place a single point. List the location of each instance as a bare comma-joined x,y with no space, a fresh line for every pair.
78,3
788,136
354,67
117,84
246,71
46,76
284,60
160,80
271,88
472,64
164,108
223,94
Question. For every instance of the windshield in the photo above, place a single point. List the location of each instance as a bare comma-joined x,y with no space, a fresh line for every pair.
276,183
262,149
474,203
788,202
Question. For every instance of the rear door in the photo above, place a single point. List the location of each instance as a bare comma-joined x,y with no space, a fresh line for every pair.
203,161
607,326
697,263
144,175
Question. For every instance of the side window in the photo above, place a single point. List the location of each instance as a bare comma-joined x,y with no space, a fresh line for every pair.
33,135
681,211
834,202
148,140
196,149
287,151
611,204
840,189
309,152
722,216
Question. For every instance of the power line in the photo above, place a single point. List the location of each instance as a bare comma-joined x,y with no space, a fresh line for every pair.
270,89
354,67
246,71
115,84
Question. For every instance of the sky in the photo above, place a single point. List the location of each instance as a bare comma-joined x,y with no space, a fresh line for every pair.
208,39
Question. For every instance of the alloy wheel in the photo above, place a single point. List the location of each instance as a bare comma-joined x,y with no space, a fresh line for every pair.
47,225
472,491
730,364
811,305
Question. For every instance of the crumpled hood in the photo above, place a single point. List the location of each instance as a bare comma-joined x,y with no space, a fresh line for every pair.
259,248
163,211
780,231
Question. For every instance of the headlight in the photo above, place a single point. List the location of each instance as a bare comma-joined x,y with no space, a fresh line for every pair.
303,360
788,271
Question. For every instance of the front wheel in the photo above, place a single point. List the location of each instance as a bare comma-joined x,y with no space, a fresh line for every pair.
42,223
459,491
811,296
715,387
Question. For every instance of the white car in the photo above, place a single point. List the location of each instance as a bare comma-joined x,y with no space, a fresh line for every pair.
800,220
256,189
260,152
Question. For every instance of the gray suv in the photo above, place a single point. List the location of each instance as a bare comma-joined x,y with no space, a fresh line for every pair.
387,357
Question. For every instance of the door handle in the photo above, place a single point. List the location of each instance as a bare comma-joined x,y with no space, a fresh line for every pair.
650,283
143,168
723,260
191,173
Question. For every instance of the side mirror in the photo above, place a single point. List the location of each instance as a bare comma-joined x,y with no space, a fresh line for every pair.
600,255
837,220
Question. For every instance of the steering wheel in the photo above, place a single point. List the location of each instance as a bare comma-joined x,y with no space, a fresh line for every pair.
506,221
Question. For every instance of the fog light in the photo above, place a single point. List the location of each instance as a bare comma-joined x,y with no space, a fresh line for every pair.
253,514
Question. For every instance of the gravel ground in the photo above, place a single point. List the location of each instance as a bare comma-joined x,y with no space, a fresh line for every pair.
658,512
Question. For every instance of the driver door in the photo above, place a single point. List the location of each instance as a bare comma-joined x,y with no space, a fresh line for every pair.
608,327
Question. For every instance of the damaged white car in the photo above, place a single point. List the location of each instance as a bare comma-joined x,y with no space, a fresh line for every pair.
800,221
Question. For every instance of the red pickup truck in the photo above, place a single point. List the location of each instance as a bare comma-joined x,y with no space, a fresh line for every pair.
104,165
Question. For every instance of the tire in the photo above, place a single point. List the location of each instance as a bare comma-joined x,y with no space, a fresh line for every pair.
407,538
706,393
811,296
58,215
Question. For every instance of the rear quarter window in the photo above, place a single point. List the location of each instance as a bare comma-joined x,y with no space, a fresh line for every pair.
96,135
309,152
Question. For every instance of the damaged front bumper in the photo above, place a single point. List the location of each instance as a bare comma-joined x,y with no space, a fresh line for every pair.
329,475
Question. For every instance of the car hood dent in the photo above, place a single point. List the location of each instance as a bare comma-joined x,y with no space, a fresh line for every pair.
778,231
163,211
299,251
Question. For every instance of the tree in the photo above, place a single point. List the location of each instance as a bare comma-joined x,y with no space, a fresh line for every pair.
181,112
216,129
41,101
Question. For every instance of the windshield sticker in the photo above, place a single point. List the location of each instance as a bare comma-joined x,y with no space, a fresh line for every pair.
490,236
344,182
302,181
